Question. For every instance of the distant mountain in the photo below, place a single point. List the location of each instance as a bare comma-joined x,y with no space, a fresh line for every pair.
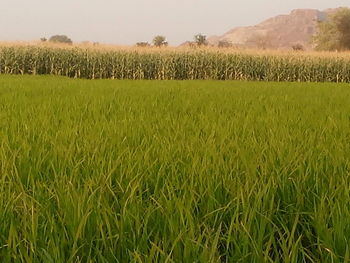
280,32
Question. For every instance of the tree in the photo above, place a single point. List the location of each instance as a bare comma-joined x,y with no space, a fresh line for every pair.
43,39
159,41
298,47
200,40
334,33
142,44
61,39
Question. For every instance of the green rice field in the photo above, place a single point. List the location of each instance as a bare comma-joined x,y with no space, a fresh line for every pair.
173,171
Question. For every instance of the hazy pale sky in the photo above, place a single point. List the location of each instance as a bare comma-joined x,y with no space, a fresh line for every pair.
130,21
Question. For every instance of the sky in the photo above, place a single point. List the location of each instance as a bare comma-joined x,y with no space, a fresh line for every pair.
125,22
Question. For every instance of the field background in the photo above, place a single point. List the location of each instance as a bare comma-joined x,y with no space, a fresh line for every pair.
173,171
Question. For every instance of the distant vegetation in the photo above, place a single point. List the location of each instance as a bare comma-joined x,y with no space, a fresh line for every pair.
224,44
160,41
298,47
62,39
334,33
200,40
143,44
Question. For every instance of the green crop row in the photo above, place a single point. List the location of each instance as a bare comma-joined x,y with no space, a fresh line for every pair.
172,64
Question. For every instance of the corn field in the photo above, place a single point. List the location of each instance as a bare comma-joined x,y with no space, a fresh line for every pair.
172,64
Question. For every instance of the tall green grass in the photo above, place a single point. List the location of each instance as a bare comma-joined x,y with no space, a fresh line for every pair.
193,171
140,64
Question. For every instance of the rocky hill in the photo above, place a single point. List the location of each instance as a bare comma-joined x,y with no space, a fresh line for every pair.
281,32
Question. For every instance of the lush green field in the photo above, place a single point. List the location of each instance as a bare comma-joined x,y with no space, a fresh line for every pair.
192,171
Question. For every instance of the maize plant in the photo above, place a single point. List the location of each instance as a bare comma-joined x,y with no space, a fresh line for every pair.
168,64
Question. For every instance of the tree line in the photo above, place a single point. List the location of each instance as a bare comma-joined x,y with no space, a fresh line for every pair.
160,41
333,34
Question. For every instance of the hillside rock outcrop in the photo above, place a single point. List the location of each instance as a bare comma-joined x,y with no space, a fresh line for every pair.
280,32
